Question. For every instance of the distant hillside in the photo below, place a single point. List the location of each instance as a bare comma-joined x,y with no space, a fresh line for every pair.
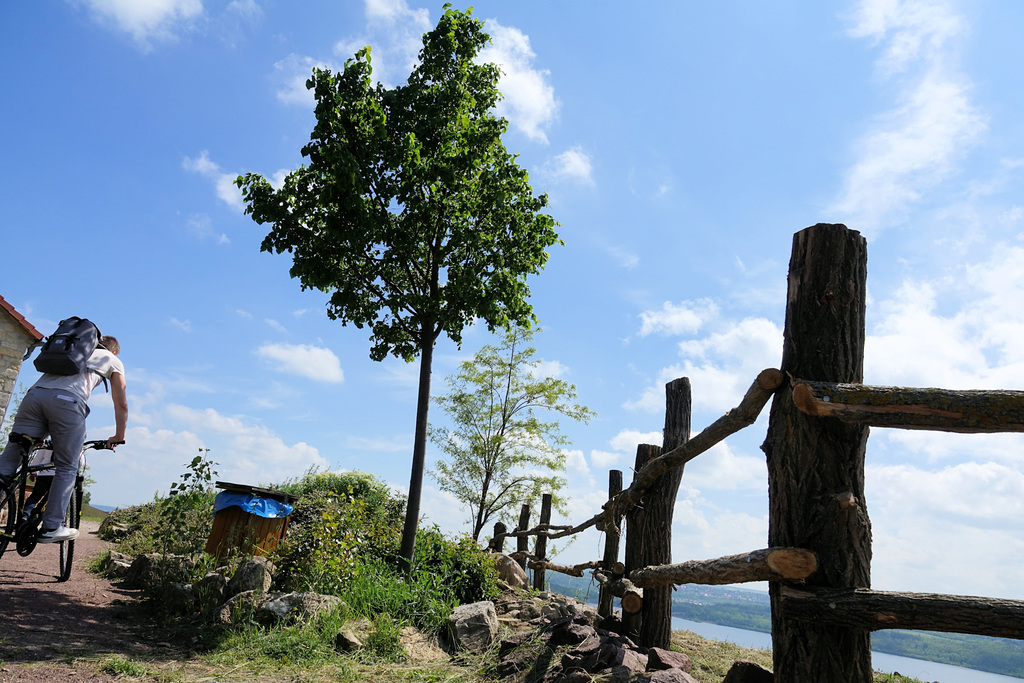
751,610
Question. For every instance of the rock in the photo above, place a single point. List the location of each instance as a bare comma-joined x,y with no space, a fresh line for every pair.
658,658
571,631
346,641
110,530
474,626
254,574
668,676
211,590
301,606
241,603
743,671
584,657
118,565
153,569
510,572
515,662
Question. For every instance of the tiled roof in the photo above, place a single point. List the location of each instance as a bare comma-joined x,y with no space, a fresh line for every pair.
36,334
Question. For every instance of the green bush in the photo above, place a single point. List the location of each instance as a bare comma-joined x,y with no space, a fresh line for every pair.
340,520
467,571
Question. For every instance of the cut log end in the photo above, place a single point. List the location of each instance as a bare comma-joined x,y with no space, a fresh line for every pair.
632,602
792,563
770,379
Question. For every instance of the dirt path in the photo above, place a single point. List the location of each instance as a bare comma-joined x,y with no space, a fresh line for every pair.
45,626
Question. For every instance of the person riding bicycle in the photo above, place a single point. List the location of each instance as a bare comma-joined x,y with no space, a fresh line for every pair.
57,405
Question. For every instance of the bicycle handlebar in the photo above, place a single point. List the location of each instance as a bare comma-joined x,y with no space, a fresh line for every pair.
100,444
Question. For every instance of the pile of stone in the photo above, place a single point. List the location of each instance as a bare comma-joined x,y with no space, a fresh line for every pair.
541,637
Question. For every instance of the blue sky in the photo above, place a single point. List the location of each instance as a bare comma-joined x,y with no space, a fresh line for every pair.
681,144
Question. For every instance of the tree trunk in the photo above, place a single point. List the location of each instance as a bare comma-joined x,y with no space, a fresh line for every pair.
660,500
419,453
816,465
611,547
634,537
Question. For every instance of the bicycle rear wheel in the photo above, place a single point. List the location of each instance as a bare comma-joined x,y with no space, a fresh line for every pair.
8,518
72,519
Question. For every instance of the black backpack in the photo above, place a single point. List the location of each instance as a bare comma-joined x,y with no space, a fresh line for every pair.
66,351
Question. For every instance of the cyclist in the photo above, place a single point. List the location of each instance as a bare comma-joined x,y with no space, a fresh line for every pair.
57,405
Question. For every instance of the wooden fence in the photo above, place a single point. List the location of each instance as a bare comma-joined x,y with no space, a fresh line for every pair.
818,563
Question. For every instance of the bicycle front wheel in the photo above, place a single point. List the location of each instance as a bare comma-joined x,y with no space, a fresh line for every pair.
8,517
72,519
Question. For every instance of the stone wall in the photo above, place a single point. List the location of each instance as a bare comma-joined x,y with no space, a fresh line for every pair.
14,339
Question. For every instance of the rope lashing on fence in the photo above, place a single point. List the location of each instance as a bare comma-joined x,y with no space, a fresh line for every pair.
966,412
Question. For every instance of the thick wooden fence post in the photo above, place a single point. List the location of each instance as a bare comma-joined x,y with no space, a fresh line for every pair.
523,542
541,548
497,543
635,537
816,465
611,548
660,500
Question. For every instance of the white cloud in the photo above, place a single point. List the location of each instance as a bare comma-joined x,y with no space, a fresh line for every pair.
201,227
915,146
224,183
721,469
246,451
275,325
721,366
575,461
552,369
918,515
572,165
147,19
686,318
312,362
604,459
529,100
183,325
627,440
292,72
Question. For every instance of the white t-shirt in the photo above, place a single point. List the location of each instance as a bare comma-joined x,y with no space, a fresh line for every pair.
102,364
45,455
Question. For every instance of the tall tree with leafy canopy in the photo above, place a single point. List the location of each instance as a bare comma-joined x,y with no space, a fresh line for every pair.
410,212
500,454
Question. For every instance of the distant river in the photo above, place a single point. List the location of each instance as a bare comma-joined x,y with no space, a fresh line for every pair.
915,668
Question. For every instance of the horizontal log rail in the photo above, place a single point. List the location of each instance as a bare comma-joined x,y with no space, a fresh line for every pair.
770,564
533,562
967,412
875,610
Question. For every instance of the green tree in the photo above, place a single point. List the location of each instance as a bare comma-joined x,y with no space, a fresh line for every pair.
500,454
410,213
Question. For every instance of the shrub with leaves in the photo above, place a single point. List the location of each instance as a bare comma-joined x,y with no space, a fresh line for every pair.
339,520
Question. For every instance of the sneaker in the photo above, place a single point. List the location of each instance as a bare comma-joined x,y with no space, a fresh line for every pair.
58,535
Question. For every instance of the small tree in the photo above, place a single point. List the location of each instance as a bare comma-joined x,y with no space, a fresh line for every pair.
500,454
411,213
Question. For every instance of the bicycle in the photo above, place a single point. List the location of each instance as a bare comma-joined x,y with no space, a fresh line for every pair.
22,526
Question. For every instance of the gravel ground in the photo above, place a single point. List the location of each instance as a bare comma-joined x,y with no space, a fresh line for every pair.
46,626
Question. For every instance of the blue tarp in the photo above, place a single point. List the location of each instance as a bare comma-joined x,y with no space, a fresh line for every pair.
254,505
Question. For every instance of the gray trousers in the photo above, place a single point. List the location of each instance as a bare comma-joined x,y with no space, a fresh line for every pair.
60,415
